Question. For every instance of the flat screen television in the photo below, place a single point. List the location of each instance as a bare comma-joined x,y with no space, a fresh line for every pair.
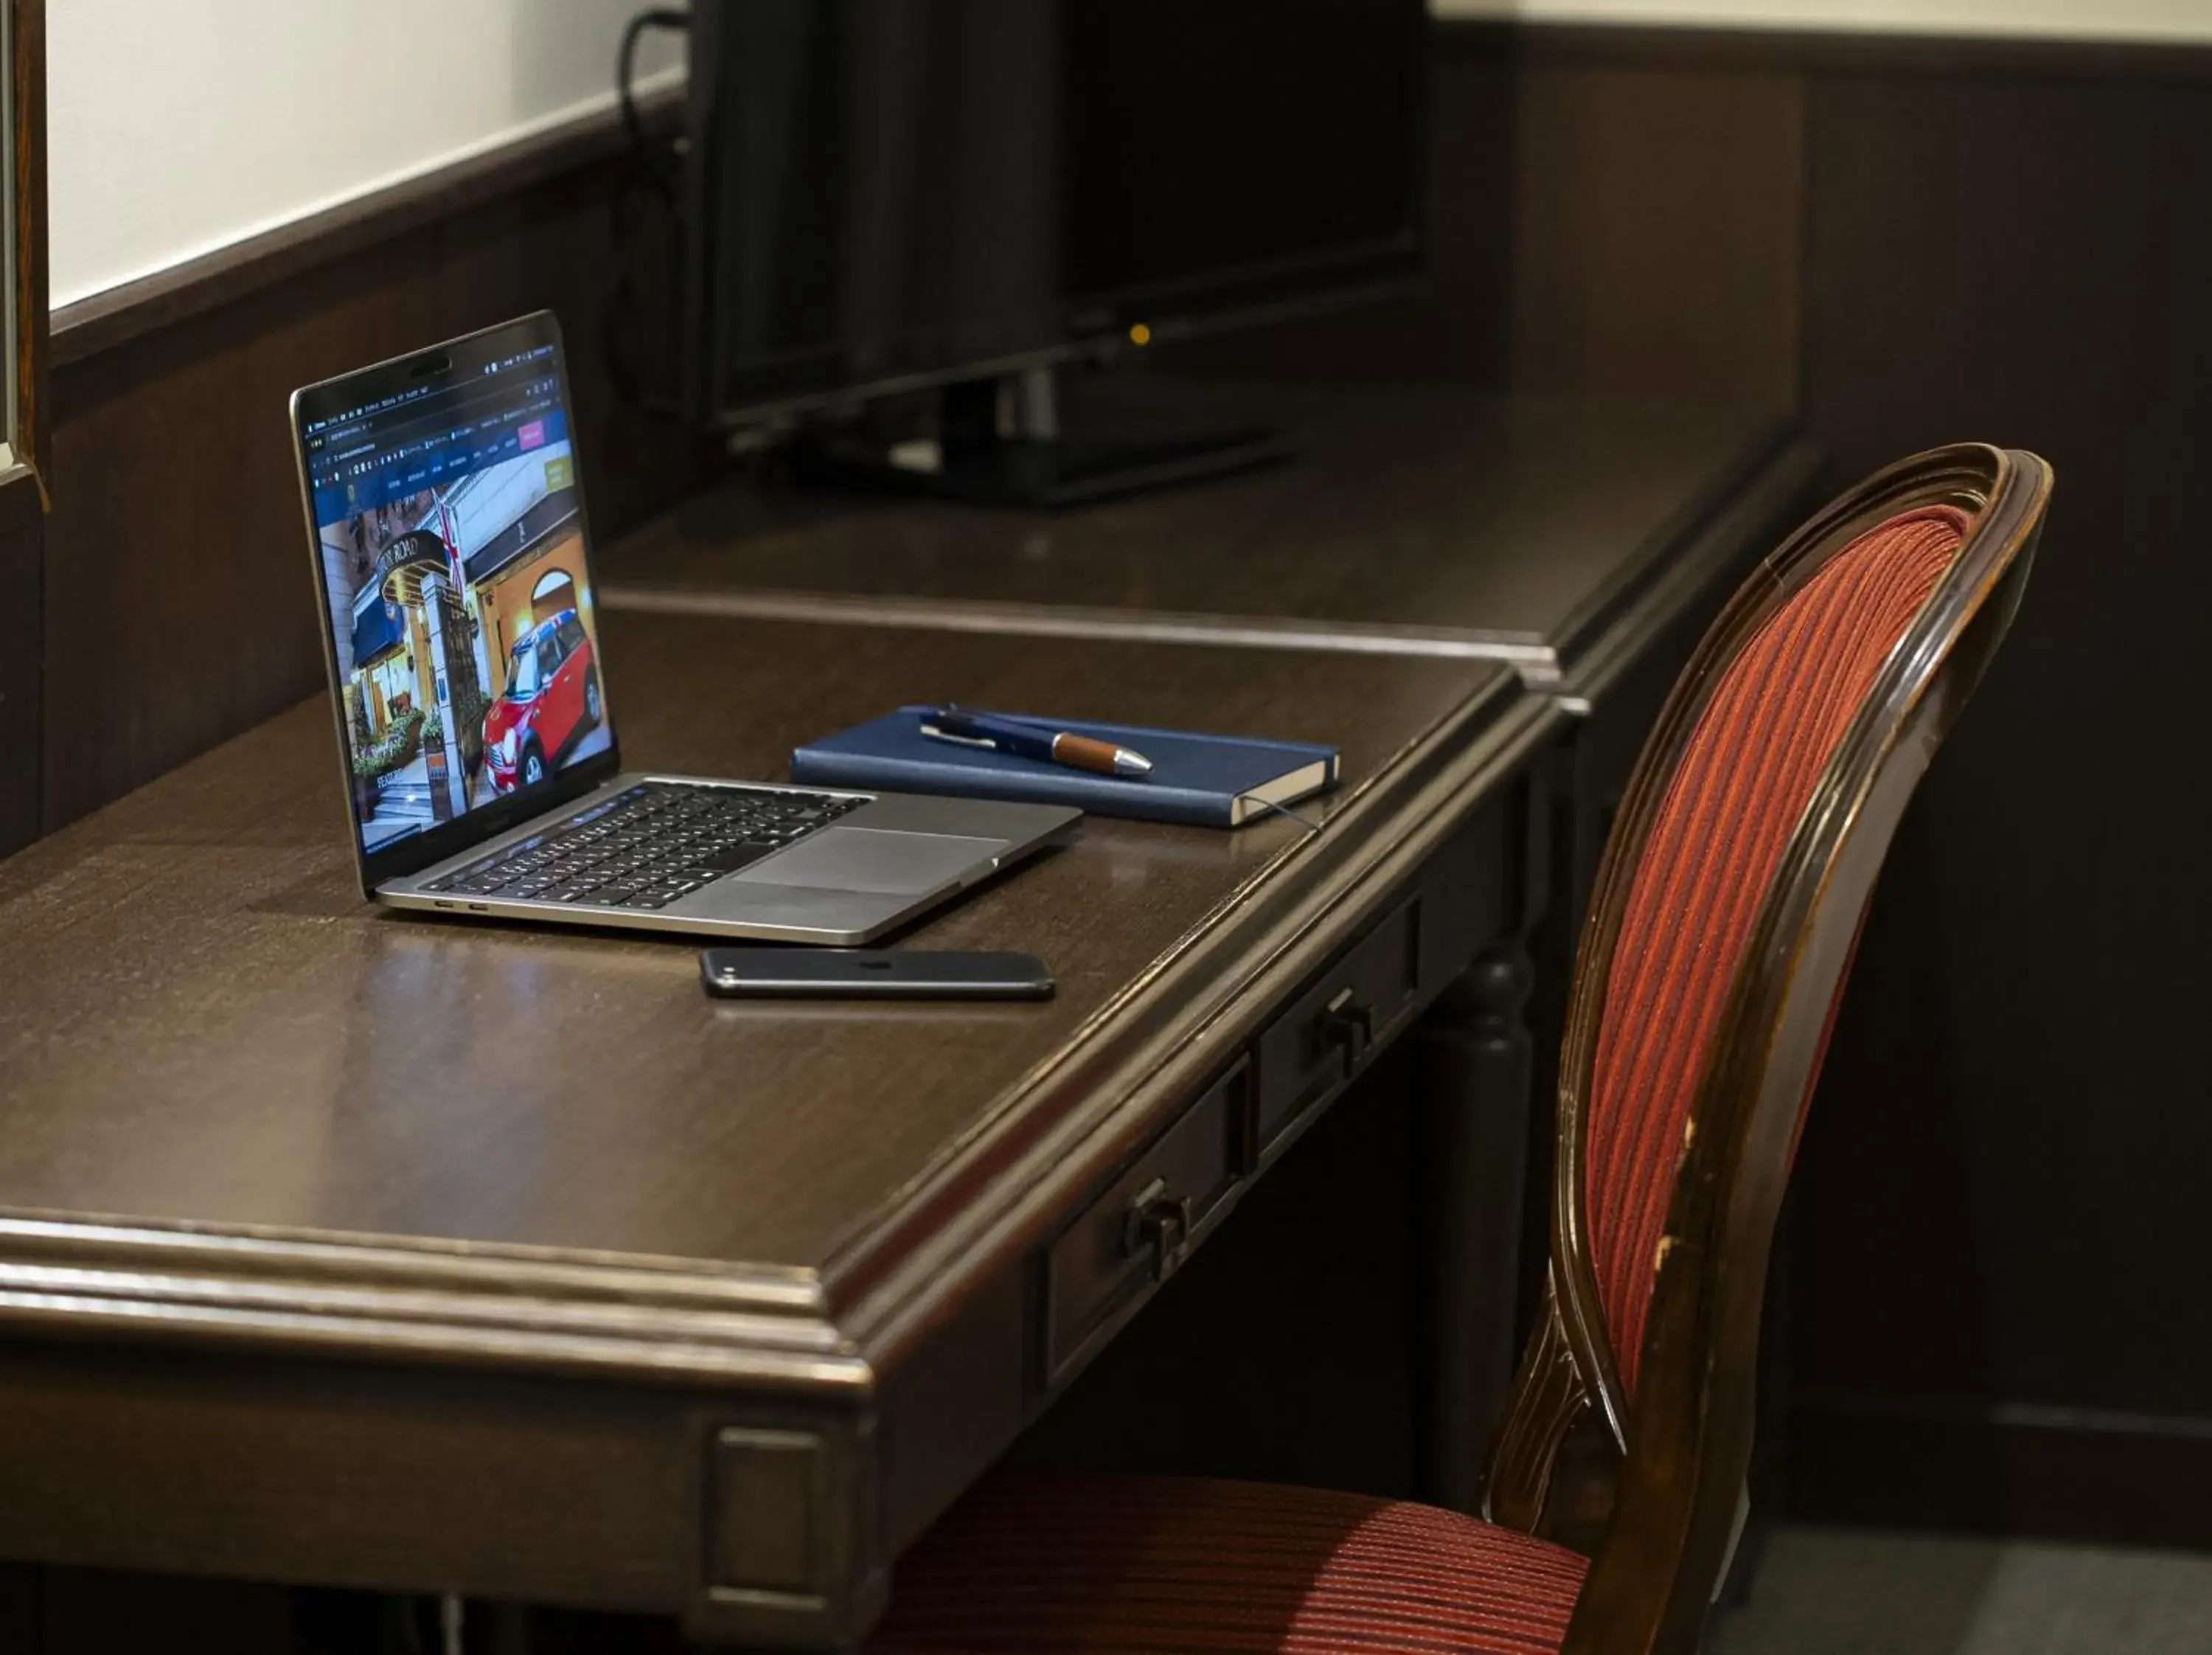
892,193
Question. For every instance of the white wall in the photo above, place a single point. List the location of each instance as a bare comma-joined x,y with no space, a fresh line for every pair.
2107,20
175,127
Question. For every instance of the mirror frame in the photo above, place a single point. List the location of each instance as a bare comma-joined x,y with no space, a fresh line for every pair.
28,480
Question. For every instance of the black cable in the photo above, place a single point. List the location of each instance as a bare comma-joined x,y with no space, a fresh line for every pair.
657,169
626,65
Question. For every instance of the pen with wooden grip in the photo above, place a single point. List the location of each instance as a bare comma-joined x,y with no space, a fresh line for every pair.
1026,740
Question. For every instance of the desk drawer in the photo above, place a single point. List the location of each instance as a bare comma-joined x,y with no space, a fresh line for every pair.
1134,1235
1328,1033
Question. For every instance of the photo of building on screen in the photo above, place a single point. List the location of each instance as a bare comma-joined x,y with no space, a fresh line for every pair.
466,644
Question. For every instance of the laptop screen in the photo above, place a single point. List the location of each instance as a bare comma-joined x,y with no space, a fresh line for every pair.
450,532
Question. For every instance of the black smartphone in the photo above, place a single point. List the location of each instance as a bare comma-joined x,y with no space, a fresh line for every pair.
790,973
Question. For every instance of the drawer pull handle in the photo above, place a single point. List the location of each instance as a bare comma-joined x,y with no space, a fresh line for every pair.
1348,1022
1159,1223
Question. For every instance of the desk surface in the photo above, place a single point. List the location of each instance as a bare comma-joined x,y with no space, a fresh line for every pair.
202,1023
1422,520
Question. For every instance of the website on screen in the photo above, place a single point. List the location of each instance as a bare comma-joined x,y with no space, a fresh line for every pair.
452,545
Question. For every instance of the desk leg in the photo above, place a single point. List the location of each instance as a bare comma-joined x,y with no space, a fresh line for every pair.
1472,1063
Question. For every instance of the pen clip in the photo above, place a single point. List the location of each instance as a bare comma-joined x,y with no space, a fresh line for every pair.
935,733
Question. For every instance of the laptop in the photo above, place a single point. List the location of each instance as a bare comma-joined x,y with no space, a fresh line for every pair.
475,717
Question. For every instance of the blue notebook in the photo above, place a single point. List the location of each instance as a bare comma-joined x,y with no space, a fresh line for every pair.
1215,780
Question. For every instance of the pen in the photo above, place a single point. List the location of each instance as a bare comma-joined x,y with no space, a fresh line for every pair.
1008,736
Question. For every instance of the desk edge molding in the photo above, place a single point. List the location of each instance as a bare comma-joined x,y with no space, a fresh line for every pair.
1525,652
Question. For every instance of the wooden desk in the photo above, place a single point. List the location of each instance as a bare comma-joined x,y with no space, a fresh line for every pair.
354,1248
343,1247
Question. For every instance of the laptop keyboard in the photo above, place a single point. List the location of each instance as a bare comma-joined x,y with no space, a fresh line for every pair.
648,846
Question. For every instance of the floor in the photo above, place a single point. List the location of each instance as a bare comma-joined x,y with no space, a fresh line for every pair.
1835,1591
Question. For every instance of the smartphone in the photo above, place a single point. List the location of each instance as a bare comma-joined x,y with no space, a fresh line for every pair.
790,973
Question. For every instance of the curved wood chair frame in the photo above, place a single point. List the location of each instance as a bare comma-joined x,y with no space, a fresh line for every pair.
1653,1492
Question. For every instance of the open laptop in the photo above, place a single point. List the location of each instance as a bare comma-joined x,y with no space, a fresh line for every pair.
476,727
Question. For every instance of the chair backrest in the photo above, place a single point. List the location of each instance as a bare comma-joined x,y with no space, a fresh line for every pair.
1719,936
1737,789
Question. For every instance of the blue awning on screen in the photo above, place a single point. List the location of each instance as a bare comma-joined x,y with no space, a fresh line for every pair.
378,628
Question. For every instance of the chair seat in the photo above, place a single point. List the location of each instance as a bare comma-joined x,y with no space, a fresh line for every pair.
1159,1564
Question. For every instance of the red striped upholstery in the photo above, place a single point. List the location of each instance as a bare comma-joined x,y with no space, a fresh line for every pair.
1746,776
1157,1566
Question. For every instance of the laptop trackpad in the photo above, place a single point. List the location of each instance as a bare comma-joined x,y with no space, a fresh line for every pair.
870,859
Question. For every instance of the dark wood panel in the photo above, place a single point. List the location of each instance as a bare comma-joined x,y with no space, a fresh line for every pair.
2004,1168
177,603
1656,221
1597,224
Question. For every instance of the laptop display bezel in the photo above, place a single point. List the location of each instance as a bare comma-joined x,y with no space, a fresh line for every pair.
438,364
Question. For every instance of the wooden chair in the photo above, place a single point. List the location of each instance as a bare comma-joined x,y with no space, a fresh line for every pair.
1719,937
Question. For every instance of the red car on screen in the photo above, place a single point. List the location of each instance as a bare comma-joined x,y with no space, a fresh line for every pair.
551,699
